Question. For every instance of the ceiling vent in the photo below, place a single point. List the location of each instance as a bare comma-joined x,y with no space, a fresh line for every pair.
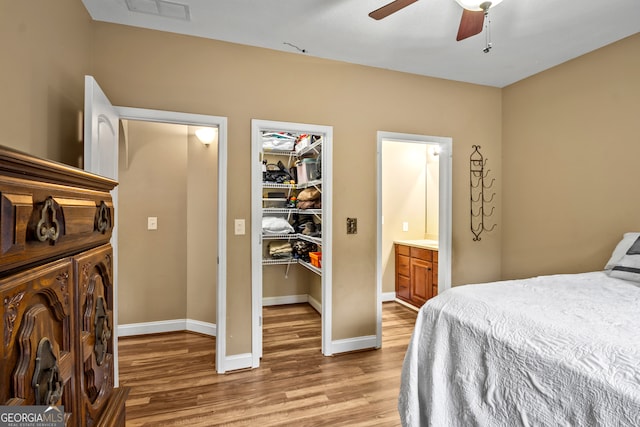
161,8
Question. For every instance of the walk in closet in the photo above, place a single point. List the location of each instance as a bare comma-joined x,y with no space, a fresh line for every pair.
291,220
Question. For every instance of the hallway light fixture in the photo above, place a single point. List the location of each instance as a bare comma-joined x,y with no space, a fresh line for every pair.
206,135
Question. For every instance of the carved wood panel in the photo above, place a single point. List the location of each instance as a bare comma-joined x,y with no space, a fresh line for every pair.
95,301
55,340
37,350
37,224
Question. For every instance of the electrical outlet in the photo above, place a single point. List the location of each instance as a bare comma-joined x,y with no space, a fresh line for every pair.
352,225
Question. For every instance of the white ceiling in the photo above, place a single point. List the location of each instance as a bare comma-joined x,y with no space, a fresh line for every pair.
528,36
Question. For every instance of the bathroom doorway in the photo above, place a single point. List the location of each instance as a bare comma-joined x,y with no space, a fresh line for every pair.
413,202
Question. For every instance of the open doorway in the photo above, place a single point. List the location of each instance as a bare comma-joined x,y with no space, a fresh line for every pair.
413,203
167,228
101,147
220,124
410,196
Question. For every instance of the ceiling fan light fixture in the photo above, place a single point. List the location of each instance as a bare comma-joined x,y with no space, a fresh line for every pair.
477,5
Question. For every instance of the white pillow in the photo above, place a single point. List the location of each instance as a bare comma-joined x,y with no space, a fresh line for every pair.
276,225
628,239
625,260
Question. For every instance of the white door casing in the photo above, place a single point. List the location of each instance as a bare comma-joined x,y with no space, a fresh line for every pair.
444,212
160,116
101,130
257,126
101,157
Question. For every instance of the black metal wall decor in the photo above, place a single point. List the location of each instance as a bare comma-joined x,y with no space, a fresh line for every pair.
479,201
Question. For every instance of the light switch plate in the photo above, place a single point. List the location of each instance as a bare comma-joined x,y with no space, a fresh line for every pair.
152,223
239,227
405,226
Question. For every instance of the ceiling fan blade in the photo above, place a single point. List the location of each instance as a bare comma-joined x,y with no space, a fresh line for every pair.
390,8
471,24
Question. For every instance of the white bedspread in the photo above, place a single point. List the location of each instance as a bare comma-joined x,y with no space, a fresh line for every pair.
558,350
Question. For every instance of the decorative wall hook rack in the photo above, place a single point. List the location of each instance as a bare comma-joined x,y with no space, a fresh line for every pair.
479,200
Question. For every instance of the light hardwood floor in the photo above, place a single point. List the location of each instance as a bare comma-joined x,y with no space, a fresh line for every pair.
173,381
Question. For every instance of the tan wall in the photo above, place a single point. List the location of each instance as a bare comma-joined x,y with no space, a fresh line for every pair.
209,77
45,51
277,282
561,128
410,192
152,264
403,200
173,176
570,151
202,229
49,47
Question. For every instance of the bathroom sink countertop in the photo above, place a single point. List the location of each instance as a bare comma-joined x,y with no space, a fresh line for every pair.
424,244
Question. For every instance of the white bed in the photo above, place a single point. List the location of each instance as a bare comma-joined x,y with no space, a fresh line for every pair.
559,350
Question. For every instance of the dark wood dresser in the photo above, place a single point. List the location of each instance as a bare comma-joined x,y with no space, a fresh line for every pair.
56,290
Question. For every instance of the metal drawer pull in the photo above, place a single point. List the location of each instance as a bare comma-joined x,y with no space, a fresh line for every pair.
48,228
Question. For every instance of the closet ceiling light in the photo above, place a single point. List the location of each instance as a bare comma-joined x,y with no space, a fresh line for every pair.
206,135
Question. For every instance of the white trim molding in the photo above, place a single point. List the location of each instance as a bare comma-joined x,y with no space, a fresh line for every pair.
294,299
317,305
444,213
287,299
162,326
406,304
162,116
354,344
257,300
388,296
236,362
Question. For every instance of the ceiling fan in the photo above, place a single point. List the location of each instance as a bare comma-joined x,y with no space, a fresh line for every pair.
471,23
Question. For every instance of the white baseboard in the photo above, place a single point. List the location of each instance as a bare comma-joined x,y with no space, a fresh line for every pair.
354,344
406,304
317,305
388,296
238,361
287,299
204,328
161,326
293,299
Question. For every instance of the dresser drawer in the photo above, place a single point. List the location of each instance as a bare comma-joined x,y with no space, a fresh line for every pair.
42,223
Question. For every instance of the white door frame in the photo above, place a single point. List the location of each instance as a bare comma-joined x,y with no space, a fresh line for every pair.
101,157
160,116
257,126
444,213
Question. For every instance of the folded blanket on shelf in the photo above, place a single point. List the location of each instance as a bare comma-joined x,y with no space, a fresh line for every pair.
280,250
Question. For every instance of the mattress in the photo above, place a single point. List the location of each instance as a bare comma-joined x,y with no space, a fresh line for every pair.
560,350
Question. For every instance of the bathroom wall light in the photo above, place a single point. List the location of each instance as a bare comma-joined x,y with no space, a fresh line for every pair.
206,135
